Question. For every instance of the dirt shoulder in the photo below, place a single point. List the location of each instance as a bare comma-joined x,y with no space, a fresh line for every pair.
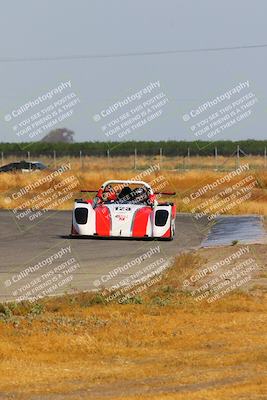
243,266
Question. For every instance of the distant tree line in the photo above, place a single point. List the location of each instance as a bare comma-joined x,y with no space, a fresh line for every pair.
150,148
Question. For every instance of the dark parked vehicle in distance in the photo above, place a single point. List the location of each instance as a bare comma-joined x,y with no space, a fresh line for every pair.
23,166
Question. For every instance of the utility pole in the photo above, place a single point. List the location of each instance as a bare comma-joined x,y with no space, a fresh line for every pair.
265,158
2,158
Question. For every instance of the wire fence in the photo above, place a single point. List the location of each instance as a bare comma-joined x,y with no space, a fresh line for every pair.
136,161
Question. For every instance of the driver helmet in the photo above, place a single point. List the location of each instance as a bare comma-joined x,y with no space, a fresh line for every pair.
140,194
109,194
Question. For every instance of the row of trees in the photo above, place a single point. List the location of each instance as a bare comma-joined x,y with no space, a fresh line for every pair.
169,148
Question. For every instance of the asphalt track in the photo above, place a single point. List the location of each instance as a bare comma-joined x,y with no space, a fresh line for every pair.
29,251
25,243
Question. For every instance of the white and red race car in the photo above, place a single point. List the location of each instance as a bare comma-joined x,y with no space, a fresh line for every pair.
125,209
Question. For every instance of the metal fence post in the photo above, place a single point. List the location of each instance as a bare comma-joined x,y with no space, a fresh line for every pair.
238,156
81,161
216,157
160,156
188,157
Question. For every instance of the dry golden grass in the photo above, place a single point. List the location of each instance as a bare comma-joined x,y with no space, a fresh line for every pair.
96,170
166,347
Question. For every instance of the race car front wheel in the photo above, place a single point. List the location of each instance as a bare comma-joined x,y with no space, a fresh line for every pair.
172,231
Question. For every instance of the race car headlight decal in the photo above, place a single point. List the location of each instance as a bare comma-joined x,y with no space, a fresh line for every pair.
161,217
81,215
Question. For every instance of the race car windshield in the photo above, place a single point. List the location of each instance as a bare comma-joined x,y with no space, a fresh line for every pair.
138,195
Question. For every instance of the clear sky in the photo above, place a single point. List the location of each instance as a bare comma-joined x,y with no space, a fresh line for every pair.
44,43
